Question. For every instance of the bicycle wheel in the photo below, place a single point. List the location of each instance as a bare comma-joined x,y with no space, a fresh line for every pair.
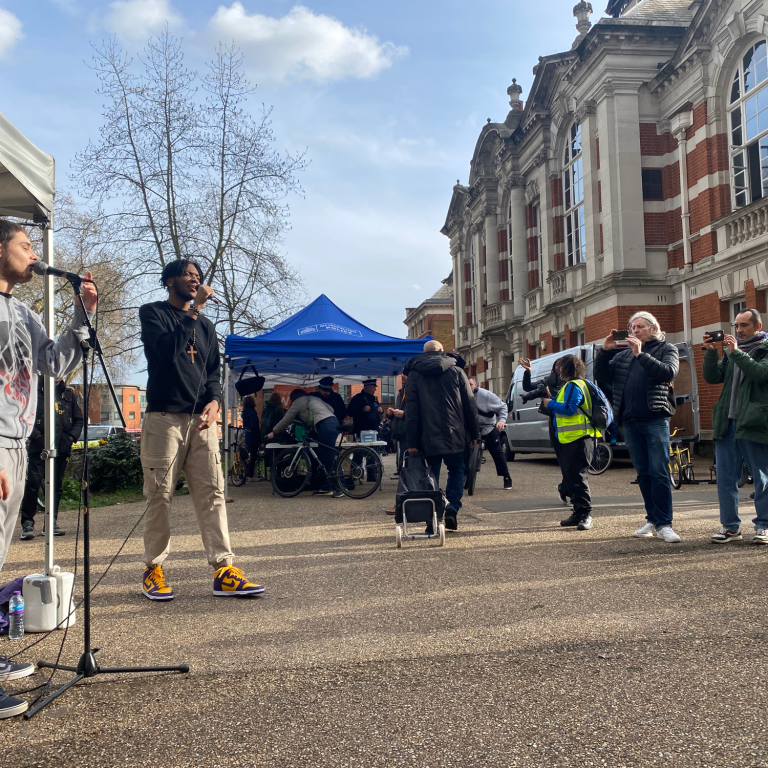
237,473
688,476
601,459
358,472
744,479
473,465
291,472
675,473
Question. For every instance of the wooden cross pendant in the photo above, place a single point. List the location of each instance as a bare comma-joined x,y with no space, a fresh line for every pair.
191,351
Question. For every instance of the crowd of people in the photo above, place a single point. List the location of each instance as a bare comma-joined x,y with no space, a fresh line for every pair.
439,413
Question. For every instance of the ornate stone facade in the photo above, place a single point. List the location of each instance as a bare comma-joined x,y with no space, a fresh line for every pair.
630,179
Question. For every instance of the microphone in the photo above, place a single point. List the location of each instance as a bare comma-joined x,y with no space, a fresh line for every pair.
41,268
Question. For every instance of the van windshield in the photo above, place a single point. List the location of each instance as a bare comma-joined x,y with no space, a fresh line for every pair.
98,433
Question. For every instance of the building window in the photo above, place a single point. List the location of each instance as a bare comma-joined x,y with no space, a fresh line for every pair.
473,281
573,186
582,339
388,390
748,120
737,307
652,189
131,414
131,398
143,399
104,417
509,248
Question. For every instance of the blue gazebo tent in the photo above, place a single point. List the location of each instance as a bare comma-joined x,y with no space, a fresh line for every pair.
320,340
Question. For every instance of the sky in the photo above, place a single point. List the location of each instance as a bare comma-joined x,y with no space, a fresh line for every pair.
388,100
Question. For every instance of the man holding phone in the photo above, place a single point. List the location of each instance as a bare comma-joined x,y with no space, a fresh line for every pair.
640,376
740,420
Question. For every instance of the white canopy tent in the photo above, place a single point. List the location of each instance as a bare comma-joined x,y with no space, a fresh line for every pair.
27,184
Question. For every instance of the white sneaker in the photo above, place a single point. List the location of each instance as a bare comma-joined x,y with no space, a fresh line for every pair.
761,536
666,533
646,532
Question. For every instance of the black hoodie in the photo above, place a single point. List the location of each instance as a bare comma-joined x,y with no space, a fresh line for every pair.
441,417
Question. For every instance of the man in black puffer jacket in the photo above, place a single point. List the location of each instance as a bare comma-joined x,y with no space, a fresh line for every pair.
441,418
640,377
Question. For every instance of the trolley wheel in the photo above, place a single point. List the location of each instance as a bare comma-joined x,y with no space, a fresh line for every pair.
601,459
441,533
238,473
398,536
675,474
688,476
744,479
290,478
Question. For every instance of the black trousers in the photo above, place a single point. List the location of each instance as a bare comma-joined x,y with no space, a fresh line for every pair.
35,480
562,486
574,462
494,447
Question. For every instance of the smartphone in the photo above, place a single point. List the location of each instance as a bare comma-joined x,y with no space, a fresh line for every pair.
716,335
620,335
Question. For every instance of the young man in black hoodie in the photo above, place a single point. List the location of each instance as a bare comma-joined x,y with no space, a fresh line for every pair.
441,419
179,430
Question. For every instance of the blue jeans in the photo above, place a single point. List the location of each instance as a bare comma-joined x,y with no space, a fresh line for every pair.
729,452
327,431
648,444
454,487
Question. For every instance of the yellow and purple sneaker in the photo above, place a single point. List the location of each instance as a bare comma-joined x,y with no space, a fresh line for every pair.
154,586
231,582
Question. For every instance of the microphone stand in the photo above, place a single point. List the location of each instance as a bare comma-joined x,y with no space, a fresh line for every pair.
87,666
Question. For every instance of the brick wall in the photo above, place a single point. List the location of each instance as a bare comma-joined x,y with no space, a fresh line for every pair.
546,337
709,309
599,325
655,225
708,393
755,299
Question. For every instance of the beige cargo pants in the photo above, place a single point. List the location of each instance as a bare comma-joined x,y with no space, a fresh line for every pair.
163,436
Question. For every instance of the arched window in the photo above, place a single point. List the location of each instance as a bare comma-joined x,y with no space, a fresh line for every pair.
748,119
509,248
573,187
473,278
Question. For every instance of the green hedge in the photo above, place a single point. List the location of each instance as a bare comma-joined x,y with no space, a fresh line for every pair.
115,465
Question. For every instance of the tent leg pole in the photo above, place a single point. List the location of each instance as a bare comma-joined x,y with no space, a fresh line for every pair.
49,400
225,414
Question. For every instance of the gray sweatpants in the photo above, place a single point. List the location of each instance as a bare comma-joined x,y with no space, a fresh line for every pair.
14,461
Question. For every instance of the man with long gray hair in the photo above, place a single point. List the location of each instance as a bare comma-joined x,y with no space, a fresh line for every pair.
640,376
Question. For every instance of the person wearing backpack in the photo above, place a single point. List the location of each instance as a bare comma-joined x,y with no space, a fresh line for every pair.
641,376
576,435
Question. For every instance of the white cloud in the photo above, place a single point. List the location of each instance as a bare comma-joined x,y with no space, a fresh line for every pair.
302,45
140,19
10,32
416,287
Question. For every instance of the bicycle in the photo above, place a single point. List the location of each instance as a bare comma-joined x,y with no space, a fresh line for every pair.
680,465
602,456
357,471
239,457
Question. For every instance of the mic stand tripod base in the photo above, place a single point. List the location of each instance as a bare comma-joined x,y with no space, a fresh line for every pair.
89,667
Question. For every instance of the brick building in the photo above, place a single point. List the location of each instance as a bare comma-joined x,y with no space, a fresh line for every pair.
133,401
633,177
434,316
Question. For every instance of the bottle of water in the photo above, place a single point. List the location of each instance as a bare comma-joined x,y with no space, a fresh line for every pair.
16,617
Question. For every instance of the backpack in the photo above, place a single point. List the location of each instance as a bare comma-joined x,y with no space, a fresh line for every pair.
601,414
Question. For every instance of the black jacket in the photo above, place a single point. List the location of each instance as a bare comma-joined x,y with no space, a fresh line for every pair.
69,421
441,417
364,419
660,366
176,380
336,401
270,415
251,426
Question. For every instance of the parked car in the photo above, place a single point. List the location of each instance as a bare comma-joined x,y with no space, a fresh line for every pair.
98,434
527,430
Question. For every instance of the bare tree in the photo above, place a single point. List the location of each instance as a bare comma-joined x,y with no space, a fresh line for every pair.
183,170
81,244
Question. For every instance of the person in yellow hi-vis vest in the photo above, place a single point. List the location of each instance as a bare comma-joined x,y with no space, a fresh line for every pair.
576,437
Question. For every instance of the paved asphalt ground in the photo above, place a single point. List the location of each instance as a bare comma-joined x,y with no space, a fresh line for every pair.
517,644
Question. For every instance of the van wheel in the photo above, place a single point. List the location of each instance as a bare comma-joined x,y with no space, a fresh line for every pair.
507,452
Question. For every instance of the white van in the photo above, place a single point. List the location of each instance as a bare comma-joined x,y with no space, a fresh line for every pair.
527,430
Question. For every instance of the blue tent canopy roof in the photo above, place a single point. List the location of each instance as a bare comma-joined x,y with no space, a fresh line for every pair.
321,340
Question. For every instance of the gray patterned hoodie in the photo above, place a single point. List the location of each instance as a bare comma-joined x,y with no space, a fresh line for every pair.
25,352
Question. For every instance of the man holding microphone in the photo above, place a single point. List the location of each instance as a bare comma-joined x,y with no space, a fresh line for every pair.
25,351
179,430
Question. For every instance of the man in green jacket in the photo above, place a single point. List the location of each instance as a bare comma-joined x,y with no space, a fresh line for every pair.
740,421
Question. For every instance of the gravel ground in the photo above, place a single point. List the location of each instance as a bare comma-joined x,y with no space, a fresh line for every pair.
517,644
